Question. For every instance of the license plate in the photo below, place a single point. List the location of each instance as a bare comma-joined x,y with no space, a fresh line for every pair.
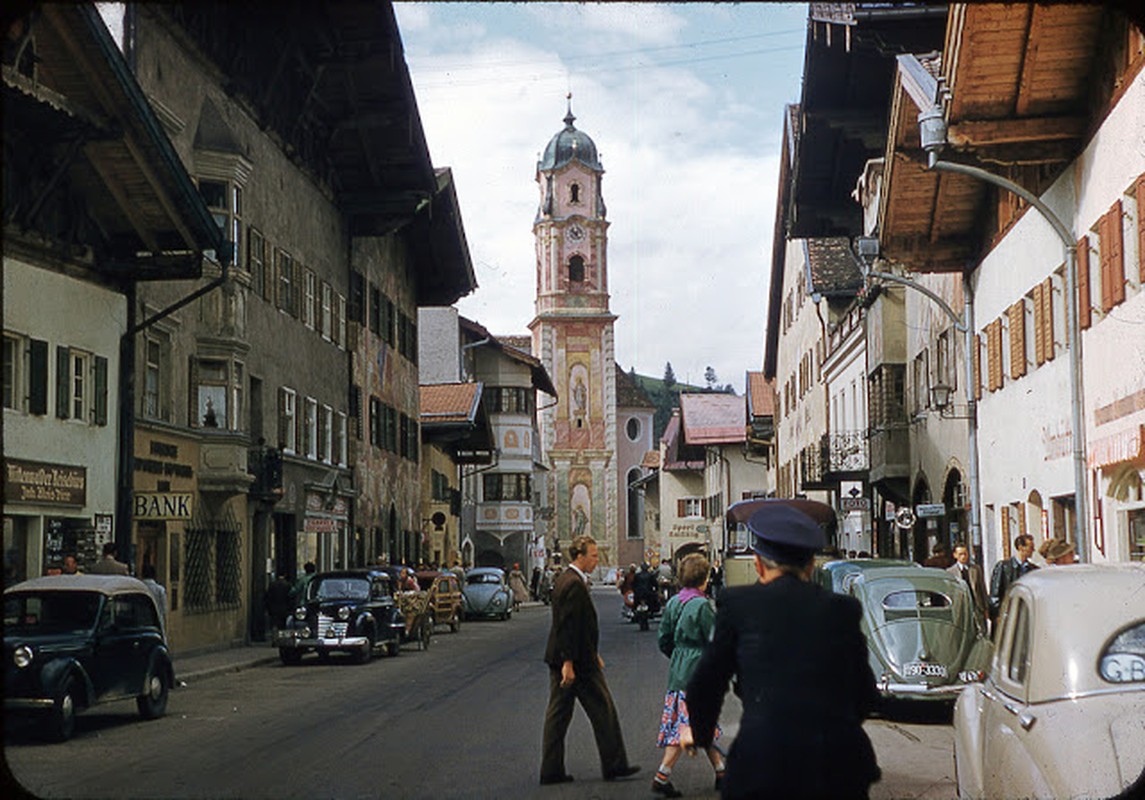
923,669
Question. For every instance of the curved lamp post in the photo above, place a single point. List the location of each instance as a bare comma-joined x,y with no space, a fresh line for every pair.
932,133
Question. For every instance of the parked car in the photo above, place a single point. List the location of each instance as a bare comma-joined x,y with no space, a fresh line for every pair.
487,594
1061,712
71,641
444,590
350,611
922,638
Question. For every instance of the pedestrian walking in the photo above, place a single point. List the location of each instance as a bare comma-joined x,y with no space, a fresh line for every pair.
535,584
576,673
972,575
518,587
799,659
298,593
158,591
279,600
1008,571
109,564
685,629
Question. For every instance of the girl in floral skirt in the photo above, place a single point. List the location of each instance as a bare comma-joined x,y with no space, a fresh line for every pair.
685,628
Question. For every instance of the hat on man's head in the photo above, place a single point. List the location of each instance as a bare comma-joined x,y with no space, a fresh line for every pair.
785,534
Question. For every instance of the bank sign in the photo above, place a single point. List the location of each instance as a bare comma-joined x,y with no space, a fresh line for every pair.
162,505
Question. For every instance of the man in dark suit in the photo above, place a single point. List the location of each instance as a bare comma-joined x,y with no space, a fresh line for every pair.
1008,571
972,575
800,663
576,672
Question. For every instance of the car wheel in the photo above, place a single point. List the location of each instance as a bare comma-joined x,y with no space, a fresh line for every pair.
364,655
394,648
455,623
62,723
152,704
426,634
289,656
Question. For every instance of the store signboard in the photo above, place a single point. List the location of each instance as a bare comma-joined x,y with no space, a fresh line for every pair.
162,505
44,484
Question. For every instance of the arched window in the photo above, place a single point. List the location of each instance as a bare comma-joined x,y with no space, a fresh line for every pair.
574,193
576,269
635,505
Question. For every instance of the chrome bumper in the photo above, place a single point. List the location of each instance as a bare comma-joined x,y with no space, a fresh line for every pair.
288,640
919,690
25,703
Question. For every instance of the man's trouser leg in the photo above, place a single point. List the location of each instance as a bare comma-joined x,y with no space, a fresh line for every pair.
557,718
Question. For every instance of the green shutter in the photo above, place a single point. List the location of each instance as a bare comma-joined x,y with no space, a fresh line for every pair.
100,390
38,377
63,382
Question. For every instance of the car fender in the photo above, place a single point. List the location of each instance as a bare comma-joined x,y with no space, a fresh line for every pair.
160,664
968,735
53,673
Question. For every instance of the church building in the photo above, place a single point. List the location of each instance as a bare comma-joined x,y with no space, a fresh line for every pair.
573,337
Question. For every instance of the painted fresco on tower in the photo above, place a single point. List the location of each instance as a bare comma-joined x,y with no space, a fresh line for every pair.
580,505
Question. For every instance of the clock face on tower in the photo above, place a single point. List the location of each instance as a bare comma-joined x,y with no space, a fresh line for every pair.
575,233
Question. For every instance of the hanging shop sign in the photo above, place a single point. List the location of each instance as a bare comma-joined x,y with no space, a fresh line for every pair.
930,510
46,484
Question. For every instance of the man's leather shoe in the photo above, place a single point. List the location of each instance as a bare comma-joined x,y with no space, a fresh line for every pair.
624,772
665,789
550,779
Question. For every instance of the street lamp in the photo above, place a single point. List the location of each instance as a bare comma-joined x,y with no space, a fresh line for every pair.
868,249
932,135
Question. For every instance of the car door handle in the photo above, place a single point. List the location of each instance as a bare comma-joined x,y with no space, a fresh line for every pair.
1025,718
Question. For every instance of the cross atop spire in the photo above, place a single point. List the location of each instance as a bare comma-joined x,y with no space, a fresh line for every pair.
569,118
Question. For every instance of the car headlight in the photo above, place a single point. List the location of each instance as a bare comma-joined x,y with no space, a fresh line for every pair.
300,613
971,676
498,600
344,613
23,656
304,632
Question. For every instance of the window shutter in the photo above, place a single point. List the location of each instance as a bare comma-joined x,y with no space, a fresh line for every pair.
1048,319
63,382
681,508
704,507
100,390
356,409
1141,228
977,356
193,392
38,377
282,431
994,355
1039,326
1105,263
1021,510
1116,252
273,277
1084,312
1017,314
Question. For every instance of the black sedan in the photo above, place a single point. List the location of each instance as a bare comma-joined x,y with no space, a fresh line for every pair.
350,611
71,641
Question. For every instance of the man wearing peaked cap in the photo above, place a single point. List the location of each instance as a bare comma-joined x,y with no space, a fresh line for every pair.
800,660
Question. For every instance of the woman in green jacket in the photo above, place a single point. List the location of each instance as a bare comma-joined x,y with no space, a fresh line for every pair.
685,629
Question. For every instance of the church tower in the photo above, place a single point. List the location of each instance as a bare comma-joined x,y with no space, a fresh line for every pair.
573,338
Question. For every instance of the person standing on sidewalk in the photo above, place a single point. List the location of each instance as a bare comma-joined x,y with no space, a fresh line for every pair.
685,629
576,672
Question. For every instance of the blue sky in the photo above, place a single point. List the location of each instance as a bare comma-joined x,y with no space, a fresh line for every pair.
685,104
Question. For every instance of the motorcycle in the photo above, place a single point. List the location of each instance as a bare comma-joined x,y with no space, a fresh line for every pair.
644,610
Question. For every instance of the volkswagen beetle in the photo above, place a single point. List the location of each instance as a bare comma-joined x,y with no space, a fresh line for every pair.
71,641
1061,712
922,639
349,611
486,593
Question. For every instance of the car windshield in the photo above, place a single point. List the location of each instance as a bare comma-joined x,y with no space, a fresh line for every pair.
483,577
341,589
1123,661
51,612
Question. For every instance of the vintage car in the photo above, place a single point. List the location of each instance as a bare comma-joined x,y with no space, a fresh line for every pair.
444,590
487,594
351,611
71,641
922,639
1061,712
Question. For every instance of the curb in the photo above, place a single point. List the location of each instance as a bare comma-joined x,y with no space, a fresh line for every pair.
182,676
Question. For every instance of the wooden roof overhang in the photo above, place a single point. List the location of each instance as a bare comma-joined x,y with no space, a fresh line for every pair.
330,82
86,160
1013,83
847,71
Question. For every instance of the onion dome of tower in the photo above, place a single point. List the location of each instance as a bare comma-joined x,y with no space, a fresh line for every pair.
567,145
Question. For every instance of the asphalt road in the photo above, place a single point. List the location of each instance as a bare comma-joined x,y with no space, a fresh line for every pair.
461,720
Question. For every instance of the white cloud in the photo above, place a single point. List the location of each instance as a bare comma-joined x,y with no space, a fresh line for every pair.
690,161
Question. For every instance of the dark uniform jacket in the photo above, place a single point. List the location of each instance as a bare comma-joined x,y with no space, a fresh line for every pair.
802,674
575,634
1005,573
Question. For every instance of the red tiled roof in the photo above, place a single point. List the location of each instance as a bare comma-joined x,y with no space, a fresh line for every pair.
760,395
713,418
629,393
449,402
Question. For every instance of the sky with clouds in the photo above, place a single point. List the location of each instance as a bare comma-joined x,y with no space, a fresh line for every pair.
685,103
